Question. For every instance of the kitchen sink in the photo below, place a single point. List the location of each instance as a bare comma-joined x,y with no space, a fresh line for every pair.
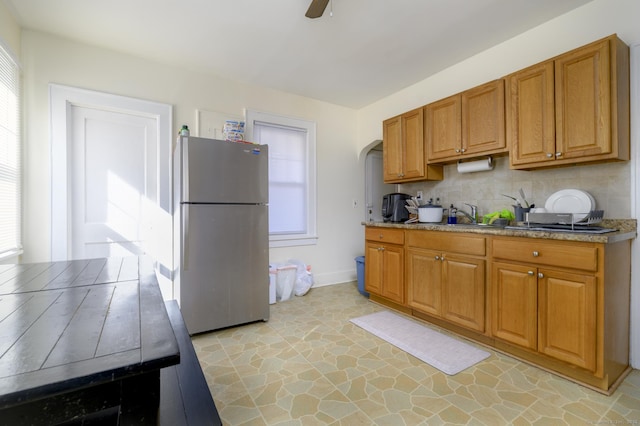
576,229
473,225
482,225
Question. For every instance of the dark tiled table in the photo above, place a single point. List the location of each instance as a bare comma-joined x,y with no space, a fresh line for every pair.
82,339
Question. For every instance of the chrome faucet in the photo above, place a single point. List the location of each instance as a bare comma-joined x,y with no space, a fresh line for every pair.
473,217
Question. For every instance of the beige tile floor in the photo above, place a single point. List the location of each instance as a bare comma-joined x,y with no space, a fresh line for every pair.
308,365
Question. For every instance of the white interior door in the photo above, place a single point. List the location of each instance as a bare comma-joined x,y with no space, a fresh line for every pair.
114,182
374,184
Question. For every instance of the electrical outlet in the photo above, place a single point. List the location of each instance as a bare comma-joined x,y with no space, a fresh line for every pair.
419,195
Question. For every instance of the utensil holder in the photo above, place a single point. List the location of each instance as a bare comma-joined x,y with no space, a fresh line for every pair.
519,212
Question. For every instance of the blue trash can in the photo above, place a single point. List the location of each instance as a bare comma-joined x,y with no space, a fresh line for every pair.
360,272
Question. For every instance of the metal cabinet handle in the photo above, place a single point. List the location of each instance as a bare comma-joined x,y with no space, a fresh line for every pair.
381,236
549,155
457,150
463,150
530,273
536,254
558,154
437,257
540,275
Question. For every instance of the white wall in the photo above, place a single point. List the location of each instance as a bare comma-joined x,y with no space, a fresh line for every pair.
591,22
9,30
48,59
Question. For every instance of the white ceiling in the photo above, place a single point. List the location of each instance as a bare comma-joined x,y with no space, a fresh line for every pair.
367,50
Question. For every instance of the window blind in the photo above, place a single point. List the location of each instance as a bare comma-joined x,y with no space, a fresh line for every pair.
10,156
287,177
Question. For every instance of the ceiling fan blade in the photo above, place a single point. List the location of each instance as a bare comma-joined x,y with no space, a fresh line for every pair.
316,8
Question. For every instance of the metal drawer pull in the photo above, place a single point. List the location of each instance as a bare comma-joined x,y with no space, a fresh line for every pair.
530,273
540,275
437,257
536,254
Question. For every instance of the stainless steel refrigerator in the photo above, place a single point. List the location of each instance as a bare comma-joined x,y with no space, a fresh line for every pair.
222,243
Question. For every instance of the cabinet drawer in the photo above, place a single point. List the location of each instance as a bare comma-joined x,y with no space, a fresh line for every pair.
387,235
448,241
564,254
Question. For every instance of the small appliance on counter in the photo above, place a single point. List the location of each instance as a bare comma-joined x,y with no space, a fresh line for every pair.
431,212
393,207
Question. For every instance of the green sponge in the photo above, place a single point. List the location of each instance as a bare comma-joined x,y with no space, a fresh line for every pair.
502,214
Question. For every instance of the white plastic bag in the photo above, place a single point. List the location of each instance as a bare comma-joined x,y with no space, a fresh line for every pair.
304,278
285,281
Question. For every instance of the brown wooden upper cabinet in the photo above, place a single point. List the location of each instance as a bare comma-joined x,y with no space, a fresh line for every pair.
571,109
403,149
469,124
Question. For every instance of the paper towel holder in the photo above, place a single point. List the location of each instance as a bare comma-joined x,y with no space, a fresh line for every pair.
475,166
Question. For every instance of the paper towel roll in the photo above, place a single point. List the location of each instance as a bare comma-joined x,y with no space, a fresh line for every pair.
475,166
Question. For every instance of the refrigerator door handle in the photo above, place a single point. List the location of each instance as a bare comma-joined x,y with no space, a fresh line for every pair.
185,171
185,237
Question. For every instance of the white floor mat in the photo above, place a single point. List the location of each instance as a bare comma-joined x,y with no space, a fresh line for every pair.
445,353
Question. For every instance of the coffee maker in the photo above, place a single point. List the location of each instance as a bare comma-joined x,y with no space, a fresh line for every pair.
393,207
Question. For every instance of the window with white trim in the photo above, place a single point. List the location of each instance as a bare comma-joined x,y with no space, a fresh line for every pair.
10,158
292,176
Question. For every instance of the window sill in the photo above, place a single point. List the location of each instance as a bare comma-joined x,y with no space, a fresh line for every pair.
11,254
292,242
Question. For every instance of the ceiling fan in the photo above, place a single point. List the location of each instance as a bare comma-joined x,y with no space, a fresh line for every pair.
316,8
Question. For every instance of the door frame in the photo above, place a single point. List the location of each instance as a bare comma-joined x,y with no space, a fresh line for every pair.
634,338
61,99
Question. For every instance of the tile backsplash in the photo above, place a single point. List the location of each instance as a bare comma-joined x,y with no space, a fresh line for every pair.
608,183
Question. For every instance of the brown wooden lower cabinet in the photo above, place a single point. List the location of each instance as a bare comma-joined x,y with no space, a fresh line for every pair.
447,285
515,304
550,311
384,263
424,281
561,305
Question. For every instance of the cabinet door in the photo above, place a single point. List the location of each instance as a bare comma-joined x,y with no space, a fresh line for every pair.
483,127
443,128
583,102
412,125
531,129
373,268
424,281
393,273
392,149
463,291
567,317
514,304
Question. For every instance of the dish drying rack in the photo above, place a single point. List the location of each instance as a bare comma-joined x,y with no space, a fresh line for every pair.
412,207
569,219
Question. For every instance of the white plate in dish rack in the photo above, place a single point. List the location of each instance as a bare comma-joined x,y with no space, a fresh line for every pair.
575,201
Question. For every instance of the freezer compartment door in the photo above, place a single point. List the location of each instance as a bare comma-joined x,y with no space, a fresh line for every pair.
215,171
224,265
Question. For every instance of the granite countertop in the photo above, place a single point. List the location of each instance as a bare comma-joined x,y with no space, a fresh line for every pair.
626,230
